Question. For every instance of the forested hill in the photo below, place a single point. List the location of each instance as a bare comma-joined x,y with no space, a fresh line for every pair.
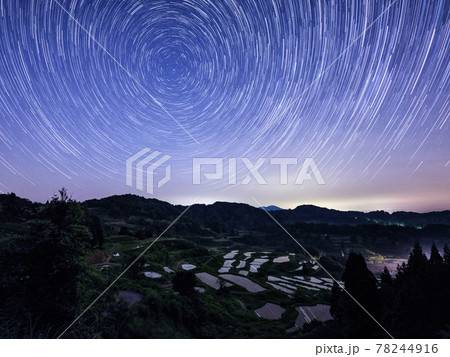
237,215
246,216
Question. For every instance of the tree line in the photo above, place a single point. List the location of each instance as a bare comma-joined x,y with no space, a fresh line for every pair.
44,278
413,303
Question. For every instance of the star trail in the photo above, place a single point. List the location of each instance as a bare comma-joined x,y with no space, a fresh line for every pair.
360,86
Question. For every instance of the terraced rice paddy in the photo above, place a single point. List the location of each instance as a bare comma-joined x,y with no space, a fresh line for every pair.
292,283
231,254
281,288
246,283
289,286
270,311
209,280
256,264
212,281
256,272
248,255
188,266
227,265
168,270
313,283
315,280
130,297
241,264
233,265
283,259
306,314
152,275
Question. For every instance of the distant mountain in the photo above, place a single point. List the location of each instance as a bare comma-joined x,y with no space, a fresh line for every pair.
271,208
222,215
314,214
244,216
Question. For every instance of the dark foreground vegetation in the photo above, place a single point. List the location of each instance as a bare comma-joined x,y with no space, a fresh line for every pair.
56,258
412,304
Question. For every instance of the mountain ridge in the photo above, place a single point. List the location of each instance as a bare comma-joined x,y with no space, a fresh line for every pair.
240,214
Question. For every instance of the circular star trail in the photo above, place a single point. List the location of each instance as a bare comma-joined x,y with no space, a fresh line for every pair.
360,86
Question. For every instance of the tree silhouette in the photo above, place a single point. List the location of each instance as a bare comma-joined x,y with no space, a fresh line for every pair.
417,259
446,255
335,309
43,270
362,285
184,282
435,257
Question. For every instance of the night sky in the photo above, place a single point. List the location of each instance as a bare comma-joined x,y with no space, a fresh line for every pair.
362,87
